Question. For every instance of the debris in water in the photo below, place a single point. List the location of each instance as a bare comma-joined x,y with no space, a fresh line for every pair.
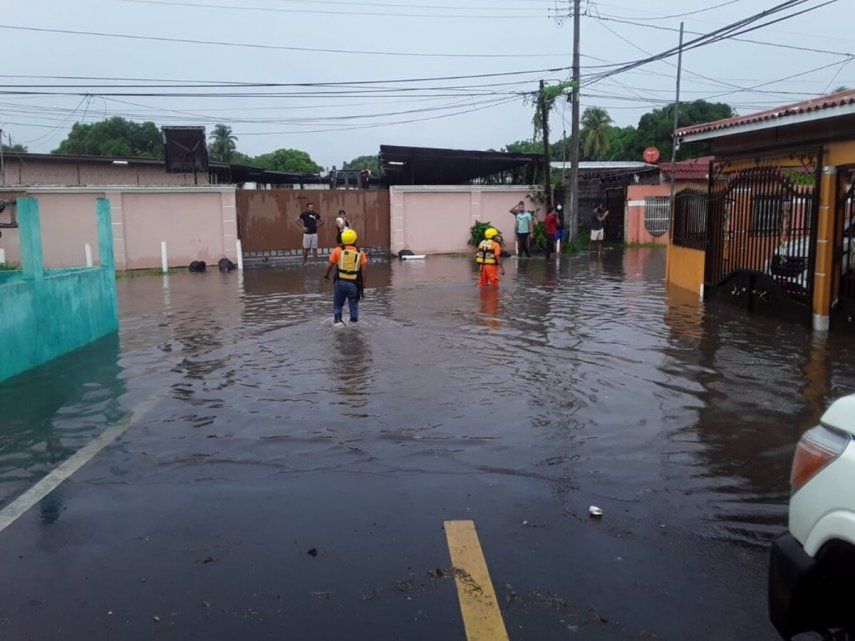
436,574
156,618
209,559
595,511
313,552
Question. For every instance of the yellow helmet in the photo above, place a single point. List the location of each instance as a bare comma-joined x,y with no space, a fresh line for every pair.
348,236
491,231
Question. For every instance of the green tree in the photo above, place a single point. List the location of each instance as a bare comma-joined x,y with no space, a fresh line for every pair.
222,146
595,134
361,162
113,137
655,128
524,147
288,160
14,149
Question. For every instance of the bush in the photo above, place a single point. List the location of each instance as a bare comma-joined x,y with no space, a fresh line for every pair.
476,232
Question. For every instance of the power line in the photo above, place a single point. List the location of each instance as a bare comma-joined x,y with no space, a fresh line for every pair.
251,45
691,13
360,13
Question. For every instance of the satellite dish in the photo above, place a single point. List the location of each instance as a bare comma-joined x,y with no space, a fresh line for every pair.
651,154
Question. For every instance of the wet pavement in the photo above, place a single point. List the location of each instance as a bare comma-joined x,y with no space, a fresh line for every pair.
268,433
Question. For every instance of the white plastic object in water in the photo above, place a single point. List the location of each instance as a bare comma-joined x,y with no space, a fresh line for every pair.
414,257
87,248
164,264
595,511
239,251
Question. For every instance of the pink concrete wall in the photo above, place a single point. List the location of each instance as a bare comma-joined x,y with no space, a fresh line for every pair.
191,225
197,224
436,220
634,228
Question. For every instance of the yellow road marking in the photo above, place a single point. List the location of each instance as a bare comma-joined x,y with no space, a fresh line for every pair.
478,604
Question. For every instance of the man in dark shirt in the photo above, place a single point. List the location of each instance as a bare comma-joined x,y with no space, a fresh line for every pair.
309,221
597,217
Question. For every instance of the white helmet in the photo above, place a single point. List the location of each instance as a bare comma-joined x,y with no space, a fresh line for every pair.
339,221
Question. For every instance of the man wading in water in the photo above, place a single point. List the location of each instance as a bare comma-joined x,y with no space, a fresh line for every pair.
489,257
349,263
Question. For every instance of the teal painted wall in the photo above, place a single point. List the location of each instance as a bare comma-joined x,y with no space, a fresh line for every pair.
46,313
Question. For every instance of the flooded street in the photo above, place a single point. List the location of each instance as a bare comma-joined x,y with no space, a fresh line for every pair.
259,432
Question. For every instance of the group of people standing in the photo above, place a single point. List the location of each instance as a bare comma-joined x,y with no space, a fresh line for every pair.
524,229
346,259
489,253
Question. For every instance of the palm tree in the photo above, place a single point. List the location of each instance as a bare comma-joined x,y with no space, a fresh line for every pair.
222,145
595,133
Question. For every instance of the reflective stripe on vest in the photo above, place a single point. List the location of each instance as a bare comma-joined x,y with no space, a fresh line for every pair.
486,254
349,263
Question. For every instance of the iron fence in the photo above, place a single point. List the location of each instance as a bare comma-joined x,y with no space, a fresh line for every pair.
657,215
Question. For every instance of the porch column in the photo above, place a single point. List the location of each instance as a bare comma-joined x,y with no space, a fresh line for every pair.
822,284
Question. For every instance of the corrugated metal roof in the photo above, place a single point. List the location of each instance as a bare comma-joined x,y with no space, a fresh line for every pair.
831,101
604,164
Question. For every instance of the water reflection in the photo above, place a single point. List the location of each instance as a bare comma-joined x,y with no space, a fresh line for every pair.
51,411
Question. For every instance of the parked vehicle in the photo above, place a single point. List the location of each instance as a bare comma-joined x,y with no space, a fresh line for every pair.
812,569
789,263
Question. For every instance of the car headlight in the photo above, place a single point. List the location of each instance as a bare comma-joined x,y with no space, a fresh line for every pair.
816,449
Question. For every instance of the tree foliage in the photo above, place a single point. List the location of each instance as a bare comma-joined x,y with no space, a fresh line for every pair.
113,137
548,95
288,160
223,143
361,162
595,135
14,149
600,140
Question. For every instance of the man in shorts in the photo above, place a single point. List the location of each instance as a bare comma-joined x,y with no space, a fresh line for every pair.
597,217
309,221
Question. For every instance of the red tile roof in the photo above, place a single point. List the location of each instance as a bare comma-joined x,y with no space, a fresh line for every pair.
806,106
695,169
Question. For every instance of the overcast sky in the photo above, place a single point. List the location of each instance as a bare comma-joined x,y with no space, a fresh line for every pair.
473,113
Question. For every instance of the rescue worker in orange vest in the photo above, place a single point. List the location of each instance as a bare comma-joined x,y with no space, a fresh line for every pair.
349,263
489,257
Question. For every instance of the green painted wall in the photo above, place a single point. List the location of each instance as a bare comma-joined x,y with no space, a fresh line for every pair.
46,313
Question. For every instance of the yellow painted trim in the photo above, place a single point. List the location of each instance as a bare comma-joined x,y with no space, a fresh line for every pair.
478,604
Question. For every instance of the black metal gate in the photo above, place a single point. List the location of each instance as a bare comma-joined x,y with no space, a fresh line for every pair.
613,224
761,241
843,305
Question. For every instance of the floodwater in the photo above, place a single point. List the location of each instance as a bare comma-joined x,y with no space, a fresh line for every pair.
267,432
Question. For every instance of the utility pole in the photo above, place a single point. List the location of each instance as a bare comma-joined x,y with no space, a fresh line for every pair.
544,123
2,166
676,117
574,129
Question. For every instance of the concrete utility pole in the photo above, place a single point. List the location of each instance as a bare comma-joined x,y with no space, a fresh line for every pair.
676,117
573,223
544,123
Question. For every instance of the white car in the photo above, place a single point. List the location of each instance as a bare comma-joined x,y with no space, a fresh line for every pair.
812,569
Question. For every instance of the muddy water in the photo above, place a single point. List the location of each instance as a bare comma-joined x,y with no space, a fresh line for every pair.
587,377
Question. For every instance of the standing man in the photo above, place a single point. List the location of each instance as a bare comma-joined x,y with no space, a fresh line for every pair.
341,224
349,263
551,224
309,221
598,216
523,228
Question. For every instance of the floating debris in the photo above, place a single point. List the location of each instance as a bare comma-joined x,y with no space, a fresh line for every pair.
595,511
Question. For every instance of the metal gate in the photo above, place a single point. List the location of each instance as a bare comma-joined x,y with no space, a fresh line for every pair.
843,305
761,240
613,224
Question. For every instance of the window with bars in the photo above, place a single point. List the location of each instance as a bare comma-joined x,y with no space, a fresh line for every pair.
657,215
